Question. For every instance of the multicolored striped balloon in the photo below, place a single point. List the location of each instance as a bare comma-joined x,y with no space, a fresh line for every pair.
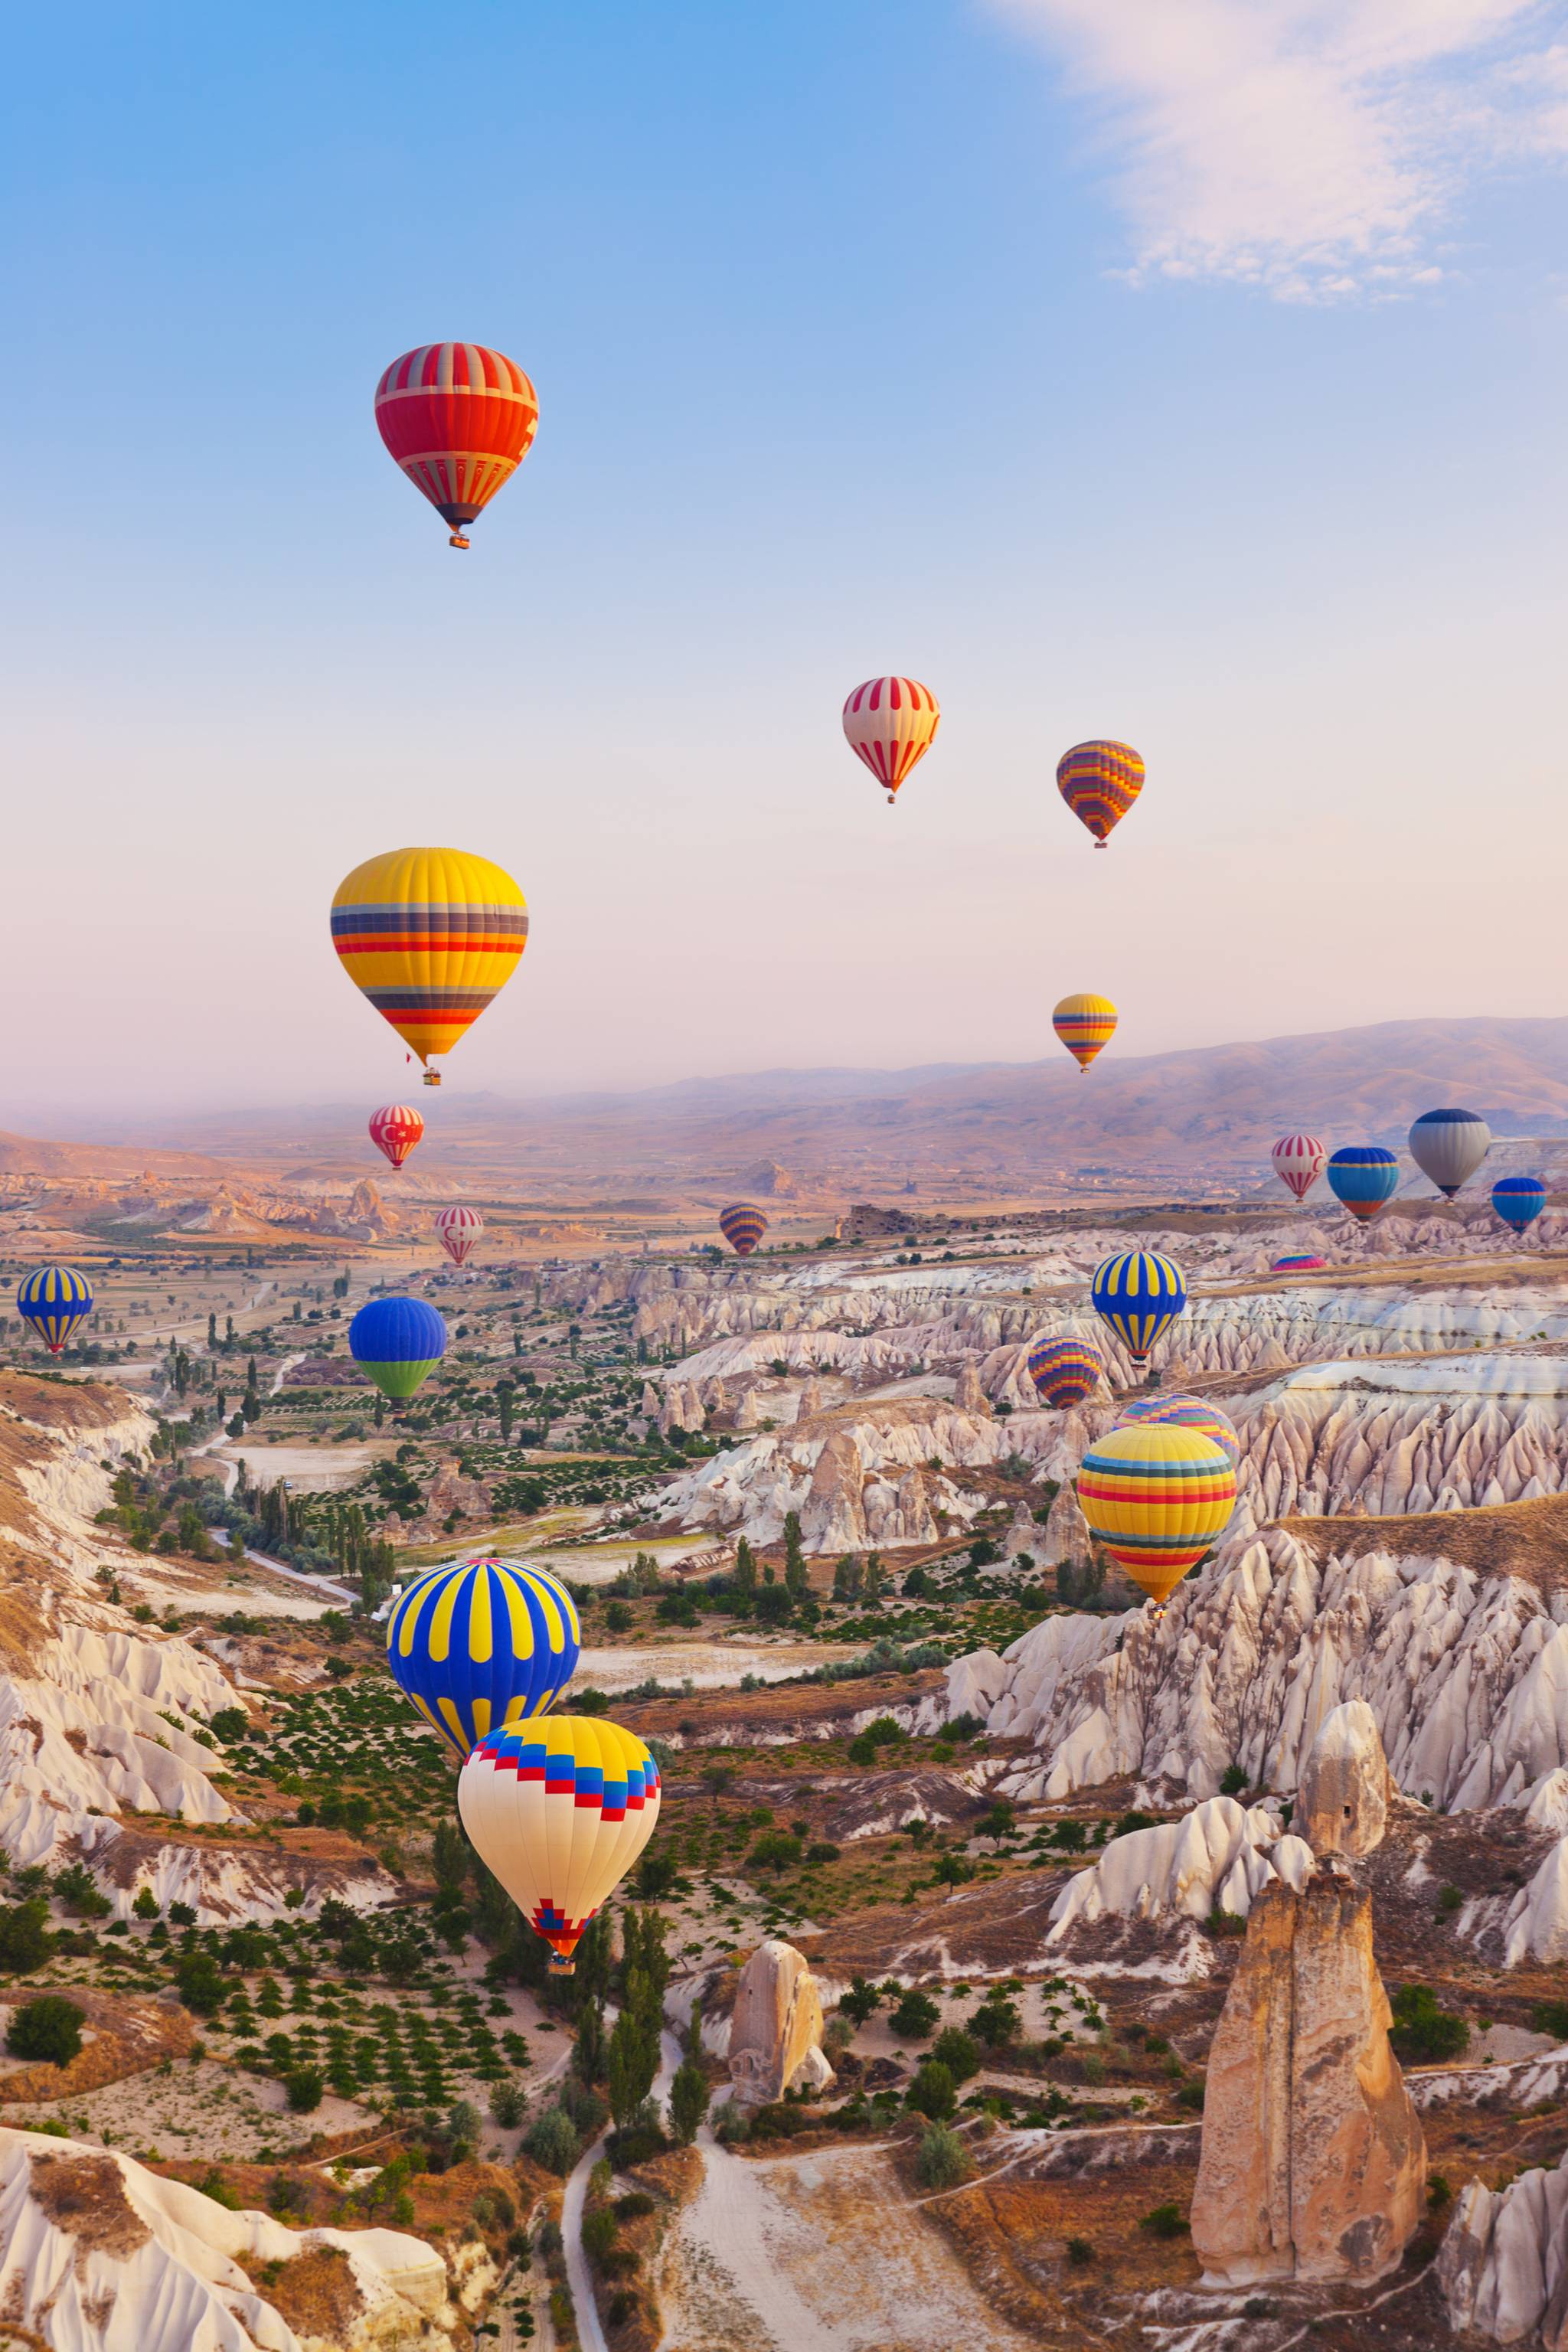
459,1229
1139,1295
1177,1410
1449,1146
1156,1498
1085,1024
430,936
1363,1176
480,1643
1298,1162
1065,1372
459,419
560,1814
394,1129
742,1227
1299,1262
1100,782
54,1300
1518,1199
892,724
397,1343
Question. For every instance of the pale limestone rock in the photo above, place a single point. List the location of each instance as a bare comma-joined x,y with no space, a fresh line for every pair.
1346,1791
1221,1854
775,2032
969,1396
833,1518
1312,2163
1503,2262
651,1401
809,1402
1066,1534
1536,1926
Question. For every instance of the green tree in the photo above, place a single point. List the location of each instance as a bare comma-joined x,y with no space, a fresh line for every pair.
915,2017
743,1580
796,1581
943,2160
551,2141
688,2101
304,2086
449,1857
932,2092
198,1979
958,2052
48,2027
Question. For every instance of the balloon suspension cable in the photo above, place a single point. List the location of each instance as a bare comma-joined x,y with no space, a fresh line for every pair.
457,540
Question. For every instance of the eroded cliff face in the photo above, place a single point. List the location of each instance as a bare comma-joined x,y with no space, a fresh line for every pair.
1313,2166
1503,2262
775,2031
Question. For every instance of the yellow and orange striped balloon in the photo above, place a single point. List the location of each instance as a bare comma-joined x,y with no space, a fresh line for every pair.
429,936
1086,1025
1156,1498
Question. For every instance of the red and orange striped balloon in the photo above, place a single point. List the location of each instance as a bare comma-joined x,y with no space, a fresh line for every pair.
1100,782
459,419
892,723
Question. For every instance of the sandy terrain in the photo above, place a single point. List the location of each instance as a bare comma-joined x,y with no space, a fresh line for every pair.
310,1469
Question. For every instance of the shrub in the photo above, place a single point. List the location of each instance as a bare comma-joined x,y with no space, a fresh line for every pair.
689,2099
508,2105
230,1723
1438,2192
1551,2017
77,1892
861,2000
551,2141
1080,2251
599,2229
1422,2032
1165,2222
48,2027
958,2052
1220,1923
915,2017
1234,1784
775,1849
200,1983
24,1939
997,2021
932,2092
304,2086
146,1903
820,1851
1134,1821
1071,1836
943,2160
1449,1900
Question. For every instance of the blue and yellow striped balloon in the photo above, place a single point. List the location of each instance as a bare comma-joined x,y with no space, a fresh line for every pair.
478,1643
1139,1295
54,1300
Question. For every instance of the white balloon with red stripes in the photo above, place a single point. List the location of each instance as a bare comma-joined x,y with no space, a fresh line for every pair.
1298,1161
458,1230
892,723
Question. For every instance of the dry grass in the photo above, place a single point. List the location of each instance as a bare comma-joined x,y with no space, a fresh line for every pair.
85,2197
1525,1540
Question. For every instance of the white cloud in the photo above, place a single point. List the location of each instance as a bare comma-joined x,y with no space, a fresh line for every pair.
1313,148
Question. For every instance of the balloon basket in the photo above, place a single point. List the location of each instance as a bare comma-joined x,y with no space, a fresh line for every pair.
430,1078
457,540
560,1967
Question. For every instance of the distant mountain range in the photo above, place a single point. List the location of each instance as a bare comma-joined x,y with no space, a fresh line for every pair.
1210,1111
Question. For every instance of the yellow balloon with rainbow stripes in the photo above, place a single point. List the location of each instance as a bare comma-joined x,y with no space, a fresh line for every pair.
430,937
1156,1496
480,1643
1086,1025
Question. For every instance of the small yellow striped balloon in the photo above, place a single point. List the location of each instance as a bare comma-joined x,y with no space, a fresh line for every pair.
1085,1024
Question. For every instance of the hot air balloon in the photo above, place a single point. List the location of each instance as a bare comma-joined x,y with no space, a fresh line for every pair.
559,1811
1065,1372
395,1128
1175,1411
1298,1162
1156,1498
54,1300
892,723
429,936
459,1229
1363,1176
742,1227
397,1343
1085,1024
1518,1199
1299,1262
1140,1294
1100,782
1450,1146
480,1643
458,419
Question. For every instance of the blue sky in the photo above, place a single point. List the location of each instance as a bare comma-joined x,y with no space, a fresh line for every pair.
1192,375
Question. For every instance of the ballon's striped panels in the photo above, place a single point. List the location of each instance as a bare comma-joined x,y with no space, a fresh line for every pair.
890,723
1518,1199
54,1300
1139,1295
1065,1372
742,1227
397,1343
394,1129
480,1643
1085,1024
1303,1262
560,1814
1298,1162
459,419
1156,1498
1450,1146
1363,1176
1100,782
429,936
459,1229
1179,1411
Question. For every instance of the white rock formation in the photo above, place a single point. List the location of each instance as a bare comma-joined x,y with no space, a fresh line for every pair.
1219,1857
1346,1788
1503,2262
775,2031
1536,1926
97,2253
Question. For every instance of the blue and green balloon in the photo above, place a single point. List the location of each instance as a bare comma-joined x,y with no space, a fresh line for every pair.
397,1343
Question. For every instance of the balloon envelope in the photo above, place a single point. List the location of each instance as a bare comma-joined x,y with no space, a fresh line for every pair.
1518,1199
478,1643
1450,1146
1301,1261
1176,1411
394,1129
560,1812
1100,782
1140,1294
397,1343
1298,1162
429,936
459,1229
1363,1176
459,418
890,723
1065,1372
742,1227
54,1300
1156,1498
1085,1024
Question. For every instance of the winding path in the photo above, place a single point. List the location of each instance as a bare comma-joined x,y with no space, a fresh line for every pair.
578,2275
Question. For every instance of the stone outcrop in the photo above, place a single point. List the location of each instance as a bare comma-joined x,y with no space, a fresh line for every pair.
1503,2262
1312,2164
969,1396
775,2032
1220,1855
1346,1793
